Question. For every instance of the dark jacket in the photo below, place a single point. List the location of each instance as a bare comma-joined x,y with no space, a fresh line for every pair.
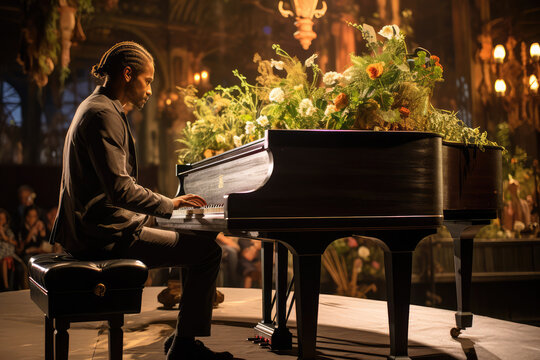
100,200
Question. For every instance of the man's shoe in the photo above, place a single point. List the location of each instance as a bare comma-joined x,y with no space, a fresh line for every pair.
196,350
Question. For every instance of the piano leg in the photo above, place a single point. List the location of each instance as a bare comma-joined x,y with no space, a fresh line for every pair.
307,270
398,270
282,337
267,263
265,328
276,334
463,234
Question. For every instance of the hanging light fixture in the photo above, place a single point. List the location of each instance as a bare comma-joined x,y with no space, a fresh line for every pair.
304,11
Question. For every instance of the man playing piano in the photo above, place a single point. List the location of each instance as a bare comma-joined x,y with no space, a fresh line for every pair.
103,211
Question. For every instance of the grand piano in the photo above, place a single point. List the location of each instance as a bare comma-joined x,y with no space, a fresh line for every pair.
303,189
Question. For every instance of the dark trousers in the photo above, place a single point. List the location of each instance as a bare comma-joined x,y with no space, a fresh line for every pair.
198,255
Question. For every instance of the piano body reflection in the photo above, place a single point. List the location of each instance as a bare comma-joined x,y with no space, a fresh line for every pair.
306,188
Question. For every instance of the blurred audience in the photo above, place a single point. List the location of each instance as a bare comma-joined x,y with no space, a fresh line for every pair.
32,234
26,196
229,260
8,245
249,262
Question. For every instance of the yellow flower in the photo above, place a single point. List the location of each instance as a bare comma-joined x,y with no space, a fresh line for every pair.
375,70
208,153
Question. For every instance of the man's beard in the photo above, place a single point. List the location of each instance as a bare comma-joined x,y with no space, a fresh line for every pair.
141,104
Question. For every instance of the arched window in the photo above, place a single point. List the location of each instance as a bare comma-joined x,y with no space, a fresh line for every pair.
56,120
10,124
10,110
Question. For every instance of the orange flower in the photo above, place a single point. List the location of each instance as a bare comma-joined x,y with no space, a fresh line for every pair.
341,101
404,112
208,153
435,58
375,70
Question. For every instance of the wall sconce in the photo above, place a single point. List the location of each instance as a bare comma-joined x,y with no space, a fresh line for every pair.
500,87
305,11
201,77
535,52
499,54
533,84
516,80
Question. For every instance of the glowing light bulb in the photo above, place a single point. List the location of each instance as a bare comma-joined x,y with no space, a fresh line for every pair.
500,87
533,84
168,102
499,53
535,51
197,78
204,75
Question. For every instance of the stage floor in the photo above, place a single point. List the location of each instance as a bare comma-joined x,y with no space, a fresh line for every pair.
349,328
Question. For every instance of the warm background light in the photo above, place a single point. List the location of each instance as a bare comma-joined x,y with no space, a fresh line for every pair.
533,83
535,51
168,102
197,78
204,75
499,53
500,87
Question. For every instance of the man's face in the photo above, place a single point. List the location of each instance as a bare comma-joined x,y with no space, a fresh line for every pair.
139,88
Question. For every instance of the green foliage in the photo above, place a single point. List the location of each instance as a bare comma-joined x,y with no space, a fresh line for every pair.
388,89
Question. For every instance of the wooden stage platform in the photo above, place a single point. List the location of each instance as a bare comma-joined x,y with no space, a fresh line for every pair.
349,328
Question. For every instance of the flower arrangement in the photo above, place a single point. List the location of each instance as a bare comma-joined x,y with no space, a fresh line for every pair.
386,89
354,265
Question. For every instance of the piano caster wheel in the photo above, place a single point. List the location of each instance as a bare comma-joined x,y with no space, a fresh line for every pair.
455,332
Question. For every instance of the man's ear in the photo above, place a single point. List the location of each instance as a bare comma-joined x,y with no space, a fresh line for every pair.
127,73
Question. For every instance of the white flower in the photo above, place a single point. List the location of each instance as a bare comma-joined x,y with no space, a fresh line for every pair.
310,60
276,95
250,127
363,252
389,31
519,226
220,139
306,108
331,78
262,120
331,108
347,76
238,140
277,64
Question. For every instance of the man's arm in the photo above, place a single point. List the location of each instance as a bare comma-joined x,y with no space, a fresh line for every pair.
105,135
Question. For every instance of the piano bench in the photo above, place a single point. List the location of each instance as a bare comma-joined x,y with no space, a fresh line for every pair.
69,290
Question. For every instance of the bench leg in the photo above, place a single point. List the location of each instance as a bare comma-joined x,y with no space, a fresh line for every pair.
49,339
61,339
116,337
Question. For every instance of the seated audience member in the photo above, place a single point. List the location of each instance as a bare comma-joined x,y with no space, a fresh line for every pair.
229,261
27,197
32,234
250,261
7,248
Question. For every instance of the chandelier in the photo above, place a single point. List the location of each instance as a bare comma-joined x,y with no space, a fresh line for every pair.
304,11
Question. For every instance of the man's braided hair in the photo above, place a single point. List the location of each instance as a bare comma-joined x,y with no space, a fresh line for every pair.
126,53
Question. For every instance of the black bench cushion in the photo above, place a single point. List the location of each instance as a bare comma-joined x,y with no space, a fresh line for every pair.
60,273
63,286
